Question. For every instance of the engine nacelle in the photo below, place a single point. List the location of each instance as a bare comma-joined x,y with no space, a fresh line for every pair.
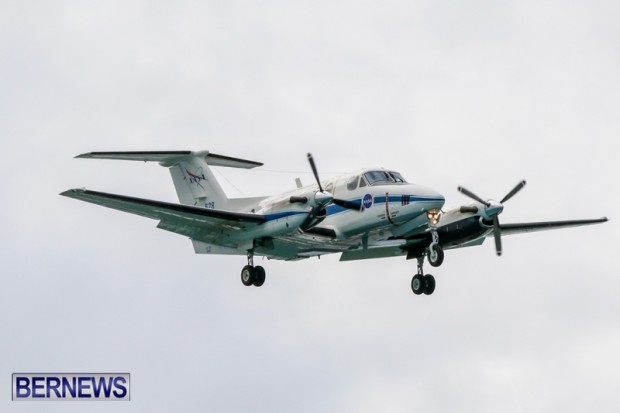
484,223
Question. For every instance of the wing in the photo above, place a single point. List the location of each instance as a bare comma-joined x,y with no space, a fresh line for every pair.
297,245
195,222
207,226
384,249
509,229
468,231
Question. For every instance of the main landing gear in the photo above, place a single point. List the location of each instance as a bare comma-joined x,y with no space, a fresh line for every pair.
251,275
425,284
420,283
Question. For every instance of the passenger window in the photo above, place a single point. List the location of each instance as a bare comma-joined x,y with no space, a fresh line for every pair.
352,183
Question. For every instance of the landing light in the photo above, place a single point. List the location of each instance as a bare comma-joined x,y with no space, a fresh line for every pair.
433,216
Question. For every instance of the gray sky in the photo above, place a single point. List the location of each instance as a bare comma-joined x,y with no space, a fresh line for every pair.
473,93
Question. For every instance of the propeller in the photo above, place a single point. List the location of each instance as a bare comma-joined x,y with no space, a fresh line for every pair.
355,206
298,199
322,199
492,211
314,171
514,191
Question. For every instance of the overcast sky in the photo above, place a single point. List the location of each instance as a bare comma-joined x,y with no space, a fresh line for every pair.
474,93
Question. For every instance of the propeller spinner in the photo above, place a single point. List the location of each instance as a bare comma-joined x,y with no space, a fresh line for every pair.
493,209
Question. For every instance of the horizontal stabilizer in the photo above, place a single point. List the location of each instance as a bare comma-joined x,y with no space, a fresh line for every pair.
170,158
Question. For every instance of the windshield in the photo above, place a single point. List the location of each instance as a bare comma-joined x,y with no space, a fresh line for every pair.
398,177
384,177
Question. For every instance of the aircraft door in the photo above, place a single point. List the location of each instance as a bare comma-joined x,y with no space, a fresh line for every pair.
392,207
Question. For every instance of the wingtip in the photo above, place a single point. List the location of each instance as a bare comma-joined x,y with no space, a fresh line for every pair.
71,192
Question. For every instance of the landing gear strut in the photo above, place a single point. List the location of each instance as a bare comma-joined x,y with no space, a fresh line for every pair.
251,275
420,283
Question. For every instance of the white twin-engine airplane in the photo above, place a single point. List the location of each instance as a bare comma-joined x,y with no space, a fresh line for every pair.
372,213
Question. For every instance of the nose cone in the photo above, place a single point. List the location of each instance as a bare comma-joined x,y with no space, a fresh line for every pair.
431,198
494,208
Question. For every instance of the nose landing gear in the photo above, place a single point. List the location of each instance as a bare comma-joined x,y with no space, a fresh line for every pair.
435,255
435,252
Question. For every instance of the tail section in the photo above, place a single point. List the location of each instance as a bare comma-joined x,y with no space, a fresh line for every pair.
196,185
193,179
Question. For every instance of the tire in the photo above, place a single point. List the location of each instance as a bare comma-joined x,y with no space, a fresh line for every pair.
429,284
435,256
418,285
259,276
248,275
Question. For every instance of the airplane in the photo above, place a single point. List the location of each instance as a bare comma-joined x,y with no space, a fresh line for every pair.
366,214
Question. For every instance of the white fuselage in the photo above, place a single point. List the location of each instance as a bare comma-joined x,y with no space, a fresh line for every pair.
383,204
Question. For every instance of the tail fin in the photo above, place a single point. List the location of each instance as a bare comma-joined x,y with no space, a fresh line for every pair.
193,179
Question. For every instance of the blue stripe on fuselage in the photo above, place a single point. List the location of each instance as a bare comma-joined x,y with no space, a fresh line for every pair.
399,199
336,209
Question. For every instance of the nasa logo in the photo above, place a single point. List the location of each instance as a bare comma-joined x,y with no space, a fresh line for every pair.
196,177
367,201
70,386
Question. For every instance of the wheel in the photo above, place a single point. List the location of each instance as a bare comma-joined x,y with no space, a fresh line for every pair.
429,284
248,275
417,284
435,256
259,276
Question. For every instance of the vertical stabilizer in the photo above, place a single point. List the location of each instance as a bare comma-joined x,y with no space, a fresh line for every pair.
196,185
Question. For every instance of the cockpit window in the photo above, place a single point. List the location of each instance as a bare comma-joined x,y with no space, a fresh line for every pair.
362,181
398,177
384,177
377,176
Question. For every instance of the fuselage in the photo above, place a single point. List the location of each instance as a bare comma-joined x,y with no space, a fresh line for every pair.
385,198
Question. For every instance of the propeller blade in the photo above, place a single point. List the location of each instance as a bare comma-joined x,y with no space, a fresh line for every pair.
469,208
298,199
315,216
355,206
314,171
497,234
473,196
514,191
